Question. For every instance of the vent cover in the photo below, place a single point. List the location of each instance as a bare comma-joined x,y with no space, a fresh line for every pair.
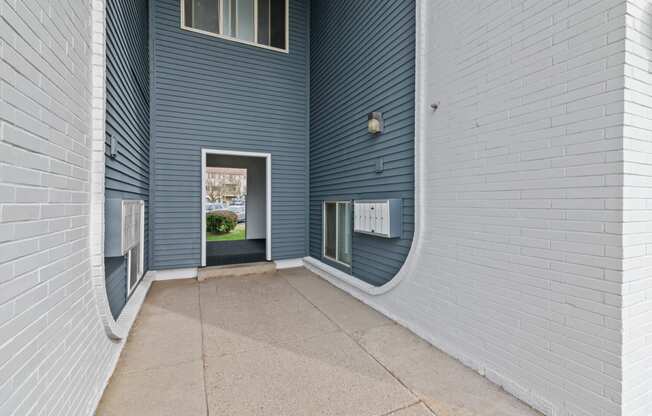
124,226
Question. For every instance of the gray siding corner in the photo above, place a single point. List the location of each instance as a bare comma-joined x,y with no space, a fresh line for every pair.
127,120
363,60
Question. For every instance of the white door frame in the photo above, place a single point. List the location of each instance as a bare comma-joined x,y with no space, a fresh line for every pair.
268,196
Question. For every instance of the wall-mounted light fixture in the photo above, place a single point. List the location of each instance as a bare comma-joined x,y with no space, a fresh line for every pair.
113,146
376,124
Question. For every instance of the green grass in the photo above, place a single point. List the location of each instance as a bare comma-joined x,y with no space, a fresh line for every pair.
235,235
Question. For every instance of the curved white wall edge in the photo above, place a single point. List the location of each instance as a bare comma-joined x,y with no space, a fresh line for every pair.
116,330
113,329
415,250
329,272
124,324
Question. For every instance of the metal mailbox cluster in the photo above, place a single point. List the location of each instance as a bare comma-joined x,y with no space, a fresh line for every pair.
380,218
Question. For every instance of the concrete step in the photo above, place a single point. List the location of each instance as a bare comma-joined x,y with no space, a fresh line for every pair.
234,270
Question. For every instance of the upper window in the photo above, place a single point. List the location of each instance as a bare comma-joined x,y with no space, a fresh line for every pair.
259,22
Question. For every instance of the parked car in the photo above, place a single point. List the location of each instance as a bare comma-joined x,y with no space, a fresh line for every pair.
239,210
214,206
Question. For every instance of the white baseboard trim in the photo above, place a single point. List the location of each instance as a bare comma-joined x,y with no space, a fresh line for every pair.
288,264
324,269
175,274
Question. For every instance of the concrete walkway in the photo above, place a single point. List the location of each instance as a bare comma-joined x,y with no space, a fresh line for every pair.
285,344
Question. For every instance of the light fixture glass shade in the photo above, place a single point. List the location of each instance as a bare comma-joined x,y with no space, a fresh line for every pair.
374,126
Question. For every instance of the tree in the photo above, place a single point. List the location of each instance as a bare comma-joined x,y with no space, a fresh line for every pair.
225,182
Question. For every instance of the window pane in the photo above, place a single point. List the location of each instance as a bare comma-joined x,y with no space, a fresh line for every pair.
277,24
229,17
245,20
330,230
263,22
187,7
202,14
344,233
134,273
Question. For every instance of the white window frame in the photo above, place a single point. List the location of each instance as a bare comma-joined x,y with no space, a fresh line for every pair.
141,265
230,38
337,240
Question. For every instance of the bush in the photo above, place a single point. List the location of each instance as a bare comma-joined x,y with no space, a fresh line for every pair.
221,222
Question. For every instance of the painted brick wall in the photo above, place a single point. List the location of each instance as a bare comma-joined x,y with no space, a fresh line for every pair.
517,266
637,212
534,223
54,354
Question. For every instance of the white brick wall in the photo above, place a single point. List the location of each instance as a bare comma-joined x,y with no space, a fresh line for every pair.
54,353
522,270
637,213
531,262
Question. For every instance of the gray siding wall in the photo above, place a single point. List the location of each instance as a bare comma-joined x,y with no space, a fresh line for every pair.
209,92
116,284
127,118
362,60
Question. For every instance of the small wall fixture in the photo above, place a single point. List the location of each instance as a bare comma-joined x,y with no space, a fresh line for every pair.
113,149
376,124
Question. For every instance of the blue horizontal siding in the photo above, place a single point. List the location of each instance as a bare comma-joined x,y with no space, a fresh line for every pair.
362,59
214,93
127,119
115,269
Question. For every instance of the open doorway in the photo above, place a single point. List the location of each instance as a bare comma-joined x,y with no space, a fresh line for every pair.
236,205
226,204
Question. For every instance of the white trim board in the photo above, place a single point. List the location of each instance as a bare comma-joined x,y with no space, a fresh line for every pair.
315,265
175,274
289,263
268,196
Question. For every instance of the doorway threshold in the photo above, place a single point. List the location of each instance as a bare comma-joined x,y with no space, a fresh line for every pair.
236,270
223,253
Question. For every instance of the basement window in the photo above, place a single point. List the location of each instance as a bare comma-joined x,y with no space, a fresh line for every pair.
261,23
337,232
